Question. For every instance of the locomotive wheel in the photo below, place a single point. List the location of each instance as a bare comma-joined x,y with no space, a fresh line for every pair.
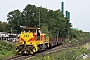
46,47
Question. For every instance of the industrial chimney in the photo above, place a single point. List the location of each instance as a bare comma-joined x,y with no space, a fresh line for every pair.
62,7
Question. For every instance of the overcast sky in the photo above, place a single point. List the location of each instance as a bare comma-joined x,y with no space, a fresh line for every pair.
79,9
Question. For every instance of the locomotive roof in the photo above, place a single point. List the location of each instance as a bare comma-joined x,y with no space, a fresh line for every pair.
30,28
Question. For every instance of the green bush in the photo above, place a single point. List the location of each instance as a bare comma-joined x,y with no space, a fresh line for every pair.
74,41
67,40
69,54
7,49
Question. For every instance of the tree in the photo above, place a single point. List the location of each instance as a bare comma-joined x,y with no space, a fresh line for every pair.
3,26
31,15
14,20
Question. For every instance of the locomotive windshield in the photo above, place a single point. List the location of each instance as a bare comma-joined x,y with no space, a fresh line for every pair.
29,30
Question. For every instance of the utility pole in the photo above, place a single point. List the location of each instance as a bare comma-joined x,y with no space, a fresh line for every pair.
57,34
39,18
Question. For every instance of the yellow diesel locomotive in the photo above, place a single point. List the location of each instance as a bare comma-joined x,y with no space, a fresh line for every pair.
31,40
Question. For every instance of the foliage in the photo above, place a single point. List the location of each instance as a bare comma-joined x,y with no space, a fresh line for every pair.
74,41
14,18
44,29
6,49
69,54
32,16
67,41
3,26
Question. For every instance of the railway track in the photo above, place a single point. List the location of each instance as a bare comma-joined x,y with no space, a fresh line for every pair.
20,57
57,48
27,57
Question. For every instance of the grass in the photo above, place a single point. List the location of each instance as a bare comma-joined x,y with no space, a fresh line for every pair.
69,54
7,49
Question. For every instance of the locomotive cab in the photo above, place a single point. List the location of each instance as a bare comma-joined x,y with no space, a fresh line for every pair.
30,35
31,40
